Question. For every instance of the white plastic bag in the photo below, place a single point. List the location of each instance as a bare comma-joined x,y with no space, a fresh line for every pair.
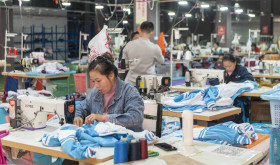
99,44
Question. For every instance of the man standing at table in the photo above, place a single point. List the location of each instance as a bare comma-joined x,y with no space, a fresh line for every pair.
141,54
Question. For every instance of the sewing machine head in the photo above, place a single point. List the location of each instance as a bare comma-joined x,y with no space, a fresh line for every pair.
31,112
29,64
199,77
149,85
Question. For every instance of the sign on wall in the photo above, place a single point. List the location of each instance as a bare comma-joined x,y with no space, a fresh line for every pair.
141,12
221,30
265,29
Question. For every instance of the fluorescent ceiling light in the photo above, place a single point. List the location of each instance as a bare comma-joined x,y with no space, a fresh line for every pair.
188,15
224,8
127,10
238,10
171,13
236,5
251,15
25,0
124,21
99,7
182,2
204,5
66,3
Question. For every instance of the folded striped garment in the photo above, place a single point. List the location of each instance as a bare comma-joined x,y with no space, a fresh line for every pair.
79,142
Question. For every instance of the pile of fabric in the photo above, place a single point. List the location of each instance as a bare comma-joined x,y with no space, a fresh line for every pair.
228,133
54,67
211,98
169,125
79,142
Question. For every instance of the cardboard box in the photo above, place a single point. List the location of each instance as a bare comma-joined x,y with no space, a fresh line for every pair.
260,111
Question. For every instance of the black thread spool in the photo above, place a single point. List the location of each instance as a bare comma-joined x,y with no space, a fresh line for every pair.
123,64
134,151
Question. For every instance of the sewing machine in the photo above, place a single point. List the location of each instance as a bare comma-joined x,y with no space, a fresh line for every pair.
199,77
149,85
29,64
31,112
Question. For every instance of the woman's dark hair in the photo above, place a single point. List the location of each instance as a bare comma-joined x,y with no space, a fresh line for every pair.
217,43
231,58
187,47
104,64
133,34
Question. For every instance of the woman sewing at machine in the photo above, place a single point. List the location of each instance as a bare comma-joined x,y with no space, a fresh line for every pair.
111,99
236,73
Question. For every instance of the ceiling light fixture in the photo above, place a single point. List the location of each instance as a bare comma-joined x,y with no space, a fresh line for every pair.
127,10
182,2
223,8
125,22
239,11
236,5
252,15
25,0
188,15
66,3
99,7
204,5
171,13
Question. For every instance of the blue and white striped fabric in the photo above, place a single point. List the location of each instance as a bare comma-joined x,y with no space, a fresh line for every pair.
230,132
222,133
210,98
243,128
227,133
79,142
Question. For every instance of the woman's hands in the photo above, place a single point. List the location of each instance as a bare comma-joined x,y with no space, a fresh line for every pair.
90,119
78,121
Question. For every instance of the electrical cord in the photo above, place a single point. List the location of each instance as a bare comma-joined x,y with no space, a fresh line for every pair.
112,14
151,8
124,13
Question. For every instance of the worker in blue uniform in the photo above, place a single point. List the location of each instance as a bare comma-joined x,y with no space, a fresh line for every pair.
235,73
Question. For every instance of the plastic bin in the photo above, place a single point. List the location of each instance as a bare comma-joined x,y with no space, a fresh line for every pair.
80,82
274,97
274,148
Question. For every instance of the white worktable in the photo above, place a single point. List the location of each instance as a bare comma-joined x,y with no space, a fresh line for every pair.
27,140
254,93
202,117
206,153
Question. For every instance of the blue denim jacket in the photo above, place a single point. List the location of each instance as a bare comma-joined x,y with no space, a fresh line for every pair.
126,108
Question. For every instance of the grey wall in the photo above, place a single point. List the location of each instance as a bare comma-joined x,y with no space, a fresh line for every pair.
47,21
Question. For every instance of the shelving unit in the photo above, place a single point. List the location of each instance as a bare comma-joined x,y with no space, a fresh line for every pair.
56,41
82,47
171,53
8,35
51,40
